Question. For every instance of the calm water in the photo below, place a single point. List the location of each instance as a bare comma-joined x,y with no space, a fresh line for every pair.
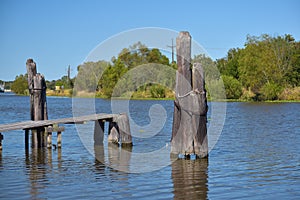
256,157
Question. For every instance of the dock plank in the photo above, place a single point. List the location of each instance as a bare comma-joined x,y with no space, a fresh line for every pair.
43,123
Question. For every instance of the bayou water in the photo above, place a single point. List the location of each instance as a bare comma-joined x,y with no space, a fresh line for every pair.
256,157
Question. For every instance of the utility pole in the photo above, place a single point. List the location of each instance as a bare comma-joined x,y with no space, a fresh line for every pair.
172,46
69,73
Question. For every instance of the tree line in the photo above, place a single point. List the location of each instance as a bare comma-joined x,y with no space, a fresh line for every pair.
266,68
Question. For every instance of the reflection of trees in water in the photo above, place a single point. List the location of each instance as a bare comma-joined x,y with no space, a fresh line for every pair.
190,178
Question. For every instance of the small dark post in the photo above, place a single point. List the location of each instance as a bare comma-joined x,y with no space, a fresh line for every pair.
99,132
26,138
190,105
1,138
59,139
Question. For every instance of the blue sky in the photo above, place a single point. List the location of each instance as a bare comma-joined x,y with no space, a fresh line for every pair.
59,33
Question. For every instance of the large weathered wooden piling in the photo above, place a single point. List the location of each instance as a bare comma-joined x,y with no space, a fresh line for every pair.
123,128
189,135
38,104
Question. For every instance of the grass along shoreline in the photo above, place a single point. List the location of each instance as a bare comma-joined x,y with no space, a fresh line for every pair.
84,94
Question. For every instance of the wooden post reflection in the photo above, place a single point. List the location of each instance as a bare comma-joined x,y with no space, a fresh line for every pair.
190,178
119,157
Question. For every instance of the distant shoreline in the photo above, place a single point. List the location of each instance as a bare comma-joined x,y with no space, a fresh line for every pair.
92,95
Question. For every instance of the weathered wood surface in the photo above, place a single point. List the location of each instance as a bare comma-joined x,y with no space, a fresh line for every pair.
199,120
45,123
190,105
31,71
99,132
122,123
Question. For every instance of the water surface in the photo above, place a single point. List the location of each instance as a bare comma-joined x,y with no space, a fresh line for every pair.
256,157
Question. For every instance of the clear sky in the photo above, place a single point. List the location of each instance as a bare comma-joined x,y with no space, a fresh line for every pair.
59,33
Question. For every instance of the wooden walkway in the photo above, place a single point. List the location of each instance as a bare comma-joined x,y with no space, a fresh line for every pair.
44,123
119,130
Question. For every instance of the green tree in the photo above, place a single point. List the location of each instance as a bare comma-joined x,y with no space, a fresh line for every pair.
270,91
210,67
233,87
20,85
89,75
268,61
231,65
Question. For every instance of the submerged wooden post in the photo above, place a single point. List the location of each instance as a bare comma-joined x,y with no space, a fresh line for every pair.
58,139
34,138
98,132
1,138
113,133
38,103
49,136
124,130
49,140
26,138
119,131
190,107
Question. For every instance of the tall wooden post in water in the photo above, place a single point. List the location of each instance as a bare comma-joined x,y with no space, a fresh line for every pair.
38,103
189,134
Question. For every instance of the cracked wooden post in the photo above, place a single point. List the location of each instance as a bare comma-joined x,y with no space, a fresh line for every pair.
120,129
199,119
39,87
124,130
113,133
38,103
189,128
31,72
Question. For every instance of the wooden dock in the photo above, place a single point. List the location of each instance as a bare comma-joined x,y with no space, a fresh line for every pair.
118,126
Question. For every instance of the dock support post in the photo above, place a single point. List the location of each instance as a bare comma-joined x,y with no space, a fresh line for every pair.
99,132
124,129
34,139
26,138
113,133
1,138
49,140
189,134
58,139
38,103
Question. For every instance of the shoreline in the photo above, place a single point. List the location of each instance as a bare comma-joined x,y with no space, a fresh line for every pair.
169,99
159,99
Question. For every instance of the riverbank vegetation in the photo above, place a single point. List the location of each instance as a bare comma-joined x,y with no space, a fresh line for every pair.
266,69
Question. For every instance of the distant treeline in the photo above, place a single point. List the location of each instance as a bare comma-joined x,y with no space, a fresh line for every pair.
267,68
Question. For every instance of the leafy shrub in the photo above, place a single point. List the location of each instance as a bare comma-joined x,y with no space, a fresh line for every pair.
270,91
157,91
20,85
233,87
